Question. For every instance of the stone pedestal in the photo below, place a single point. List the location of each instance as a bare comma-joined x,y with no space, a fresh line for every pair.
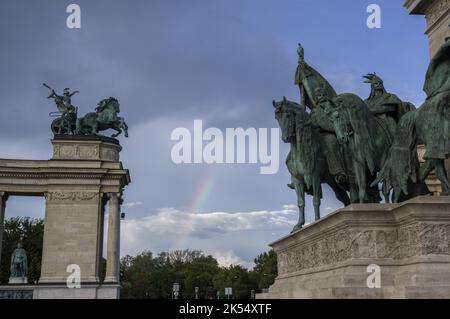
77,182
410,242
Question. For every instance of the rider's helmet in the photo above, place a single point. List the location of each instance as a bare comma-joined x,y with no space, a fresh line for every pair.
66,91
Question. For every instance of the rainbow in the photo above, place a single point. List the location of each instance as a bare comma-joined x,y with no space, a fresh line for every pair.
201,193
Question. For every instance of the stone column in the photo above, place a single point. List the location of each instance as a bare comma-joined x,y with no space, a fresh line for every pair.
113,246
3,198
437,14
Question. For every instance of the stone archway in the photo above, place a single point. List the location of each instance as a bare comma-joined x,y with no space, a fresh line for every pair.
83,175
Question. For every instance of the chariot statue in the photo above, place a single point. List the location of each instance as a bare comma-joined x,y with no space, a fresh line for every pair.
66,115
67,121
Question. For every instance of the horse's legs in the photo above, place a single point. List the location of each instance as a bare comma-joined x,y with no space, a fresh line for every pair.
360,181
316,196
340,193
118,130
124,127
441,174
94,128
78,127
354,193
386,192
299,186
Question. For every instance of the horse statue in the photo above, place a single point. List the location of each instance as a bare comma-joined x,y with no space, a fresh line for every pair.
366,142
306,161
104,118
430,125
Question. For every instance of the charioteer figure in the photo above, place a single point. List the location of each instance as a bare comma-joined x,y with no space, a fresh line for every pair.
66,122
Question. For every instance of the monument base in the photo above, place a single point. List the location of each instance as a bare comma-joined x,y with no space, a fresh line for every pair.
406,244
61,291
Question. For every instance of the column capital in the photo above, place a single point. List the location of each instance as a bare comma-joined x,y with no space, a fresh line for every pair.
3,195
111,195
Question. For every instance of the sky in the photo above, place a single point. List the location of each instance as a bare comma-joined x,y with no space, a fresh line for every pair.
172,62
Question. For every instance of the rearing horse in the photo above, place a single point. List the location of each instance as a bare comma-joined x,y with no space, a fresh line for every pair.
104,118
306,160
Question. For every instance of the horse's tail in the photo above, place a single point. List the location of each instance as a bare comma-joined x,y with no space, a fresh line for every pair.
401,165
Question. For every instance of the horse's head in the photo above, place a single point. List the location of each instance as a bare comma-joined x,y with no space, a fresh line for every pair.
115,104
111,104
289,114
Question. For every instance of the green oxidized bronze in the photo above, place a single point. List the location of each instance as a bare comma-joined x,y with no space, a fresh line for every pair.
387,107
357,146
429,124
67,113
305,161
321,119
104,118
308,80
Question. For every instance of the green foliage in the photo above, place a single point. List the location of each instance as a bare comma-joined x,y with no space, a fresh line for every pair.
145,276
200,273
148,276
30,232
237,278
265,270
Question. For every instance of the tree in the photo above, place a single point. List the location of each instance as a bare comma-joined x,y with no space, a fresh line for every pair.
200,273
236,277
30,232
265,270
136,275
145,276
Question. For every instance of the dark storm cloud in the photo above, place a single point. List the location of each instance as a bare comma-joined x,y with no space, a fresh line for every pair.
170,62
158,57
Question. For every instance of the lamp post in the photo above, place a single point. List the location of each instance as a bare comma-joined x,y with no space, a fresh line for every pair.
175,290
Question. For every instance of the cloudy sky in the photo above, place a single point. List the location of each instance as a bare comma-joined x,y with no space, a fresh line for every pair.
171,62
